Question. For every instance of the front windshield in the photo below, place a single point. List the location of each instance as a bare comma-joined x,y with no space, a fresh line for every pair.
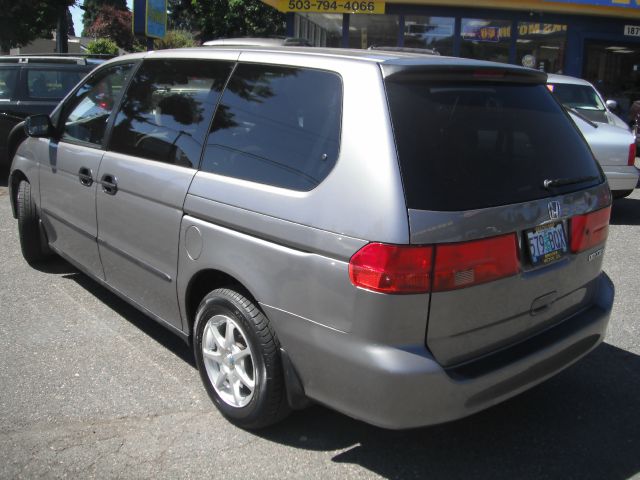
583,97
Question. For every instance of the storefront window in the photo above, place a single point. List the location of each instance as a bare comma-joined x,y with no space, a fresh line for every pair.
541,46
614,69
486,39
373,30
429,32
321,29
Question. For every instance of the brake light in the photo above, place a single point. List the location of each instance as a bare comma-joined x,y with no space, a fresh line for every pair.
632,155
392,268
461,265
589,230
409,269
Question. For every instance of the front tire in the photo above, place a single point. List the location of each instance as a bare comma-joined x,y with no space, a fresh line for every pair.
238,356
34,248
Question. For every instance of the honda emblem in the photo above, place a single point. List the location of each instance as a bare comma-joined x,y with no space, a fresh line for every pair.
554,210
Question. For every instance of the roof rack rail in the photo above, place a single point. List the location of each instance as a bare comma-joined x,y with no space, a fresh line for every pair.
79,59
50,54
423,51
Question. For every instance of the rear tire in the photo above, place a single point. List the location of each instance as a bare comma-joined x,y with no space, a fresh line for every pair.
238,356
33,247
621,193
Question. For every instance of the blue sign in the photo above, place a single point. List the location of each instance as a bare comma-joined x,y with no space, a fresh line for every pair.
150,18
602,3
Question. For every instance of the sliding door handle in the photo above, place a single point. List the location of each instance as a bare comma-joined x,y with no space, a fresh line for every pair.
109,184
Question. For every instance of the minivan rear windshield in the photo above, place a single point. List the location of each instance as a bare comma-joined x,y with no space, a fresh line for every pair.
478,144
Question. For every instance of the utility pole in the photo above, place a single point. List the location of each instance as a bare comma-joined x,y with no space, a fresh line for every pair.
62,32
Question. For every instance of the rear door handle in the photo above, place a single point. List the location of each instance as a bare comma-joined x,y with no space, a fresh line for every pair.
109,184
85,176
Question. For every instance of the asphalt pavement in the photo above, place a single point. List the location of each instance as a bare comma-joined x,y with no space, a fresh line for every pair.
91,388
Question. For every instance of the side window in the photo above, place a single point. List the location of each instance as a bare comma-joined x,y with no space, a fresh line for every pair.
166,112
8,80
277,125
87,112
51,84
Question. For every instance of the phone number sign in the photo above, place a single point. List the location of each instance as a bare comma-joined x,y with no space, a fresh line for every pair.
331,6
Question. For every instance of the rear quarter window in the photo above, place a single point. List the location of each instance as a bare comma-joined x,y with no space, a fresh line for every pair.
470,145
277,125
50,83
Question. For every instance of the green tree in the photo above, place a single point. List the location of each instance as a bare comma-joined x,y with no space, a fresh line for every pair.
175,39
180,15
236,18
92,7
102,46
22,22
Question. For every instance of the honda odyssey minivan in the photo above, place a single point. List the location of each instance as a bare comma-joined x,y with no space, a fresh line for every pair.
407,239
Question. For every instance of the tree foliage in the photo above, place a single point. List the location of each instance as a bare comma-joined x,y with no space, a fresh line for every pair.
236,18
175,39
22,22
181,15
114,24
102,46
92,8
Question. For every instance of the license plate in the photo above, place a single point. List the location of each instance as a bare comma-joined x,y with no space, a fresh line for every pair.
547,244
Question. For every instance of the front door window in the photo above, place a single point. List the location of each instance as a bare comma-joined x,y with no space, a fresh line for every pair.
90,107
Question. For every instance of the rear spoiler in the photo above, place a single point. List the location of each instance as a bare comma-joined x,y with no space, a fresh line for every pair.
461,73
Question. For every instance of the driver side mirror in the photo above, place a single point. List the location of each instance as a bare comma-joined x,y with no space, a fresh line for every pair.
611,104
38,126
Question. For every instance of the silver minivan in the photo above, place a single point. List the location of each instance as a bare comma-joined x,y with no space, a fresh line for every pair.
407,239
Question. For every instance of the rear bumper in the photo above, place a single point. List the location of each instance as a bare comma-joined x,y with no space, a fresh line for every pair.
621,178
404,387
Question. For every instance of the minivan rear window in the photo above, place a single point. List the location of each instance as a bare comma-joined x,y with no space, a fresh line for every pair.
478,144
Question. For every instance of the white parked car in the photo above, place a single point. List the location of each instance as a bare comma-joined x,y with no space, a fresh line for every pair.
610,138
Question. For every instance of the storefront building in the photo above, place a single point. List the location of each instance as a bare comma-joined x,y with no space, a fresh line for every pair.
594,39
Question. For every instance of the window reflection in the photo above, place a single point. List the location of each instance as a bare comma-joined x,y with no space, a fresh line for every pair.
429,32
373,30
166,112
276,125
320,29
89,109
541,46
486,39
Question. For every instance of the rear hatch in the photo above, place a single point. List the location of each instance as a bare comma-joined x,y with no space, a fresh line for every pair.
504,189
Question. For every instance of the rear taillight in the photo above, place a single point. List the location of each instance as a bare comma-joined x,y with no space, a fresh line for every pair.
392,268
632,155
589,230
409,269
461,265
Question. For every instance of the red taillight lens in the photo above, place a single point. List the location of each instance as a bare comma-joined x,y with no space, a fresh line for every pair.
589,230
392,268
632,155
461,265
408,269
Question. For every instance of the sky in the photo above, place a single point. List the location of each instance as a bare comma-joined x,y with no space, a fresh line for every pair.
76,13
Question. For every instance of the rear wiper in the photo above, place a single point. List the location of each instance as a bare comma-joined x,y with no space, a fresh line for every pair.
581,116
561,182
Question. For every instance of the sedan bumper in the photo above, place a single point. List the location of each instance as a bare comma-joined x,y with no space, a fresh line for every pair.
621,178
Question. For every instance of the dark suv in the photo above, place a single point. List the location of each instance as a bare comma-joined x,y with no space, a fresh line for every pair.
35,84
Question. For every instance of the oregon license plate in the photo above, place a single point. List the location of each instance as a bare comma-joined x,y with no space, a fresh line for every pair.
547,243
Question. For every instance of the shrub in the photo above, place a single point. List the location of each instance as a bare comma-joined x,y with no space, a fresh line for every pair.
175,39
102,46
